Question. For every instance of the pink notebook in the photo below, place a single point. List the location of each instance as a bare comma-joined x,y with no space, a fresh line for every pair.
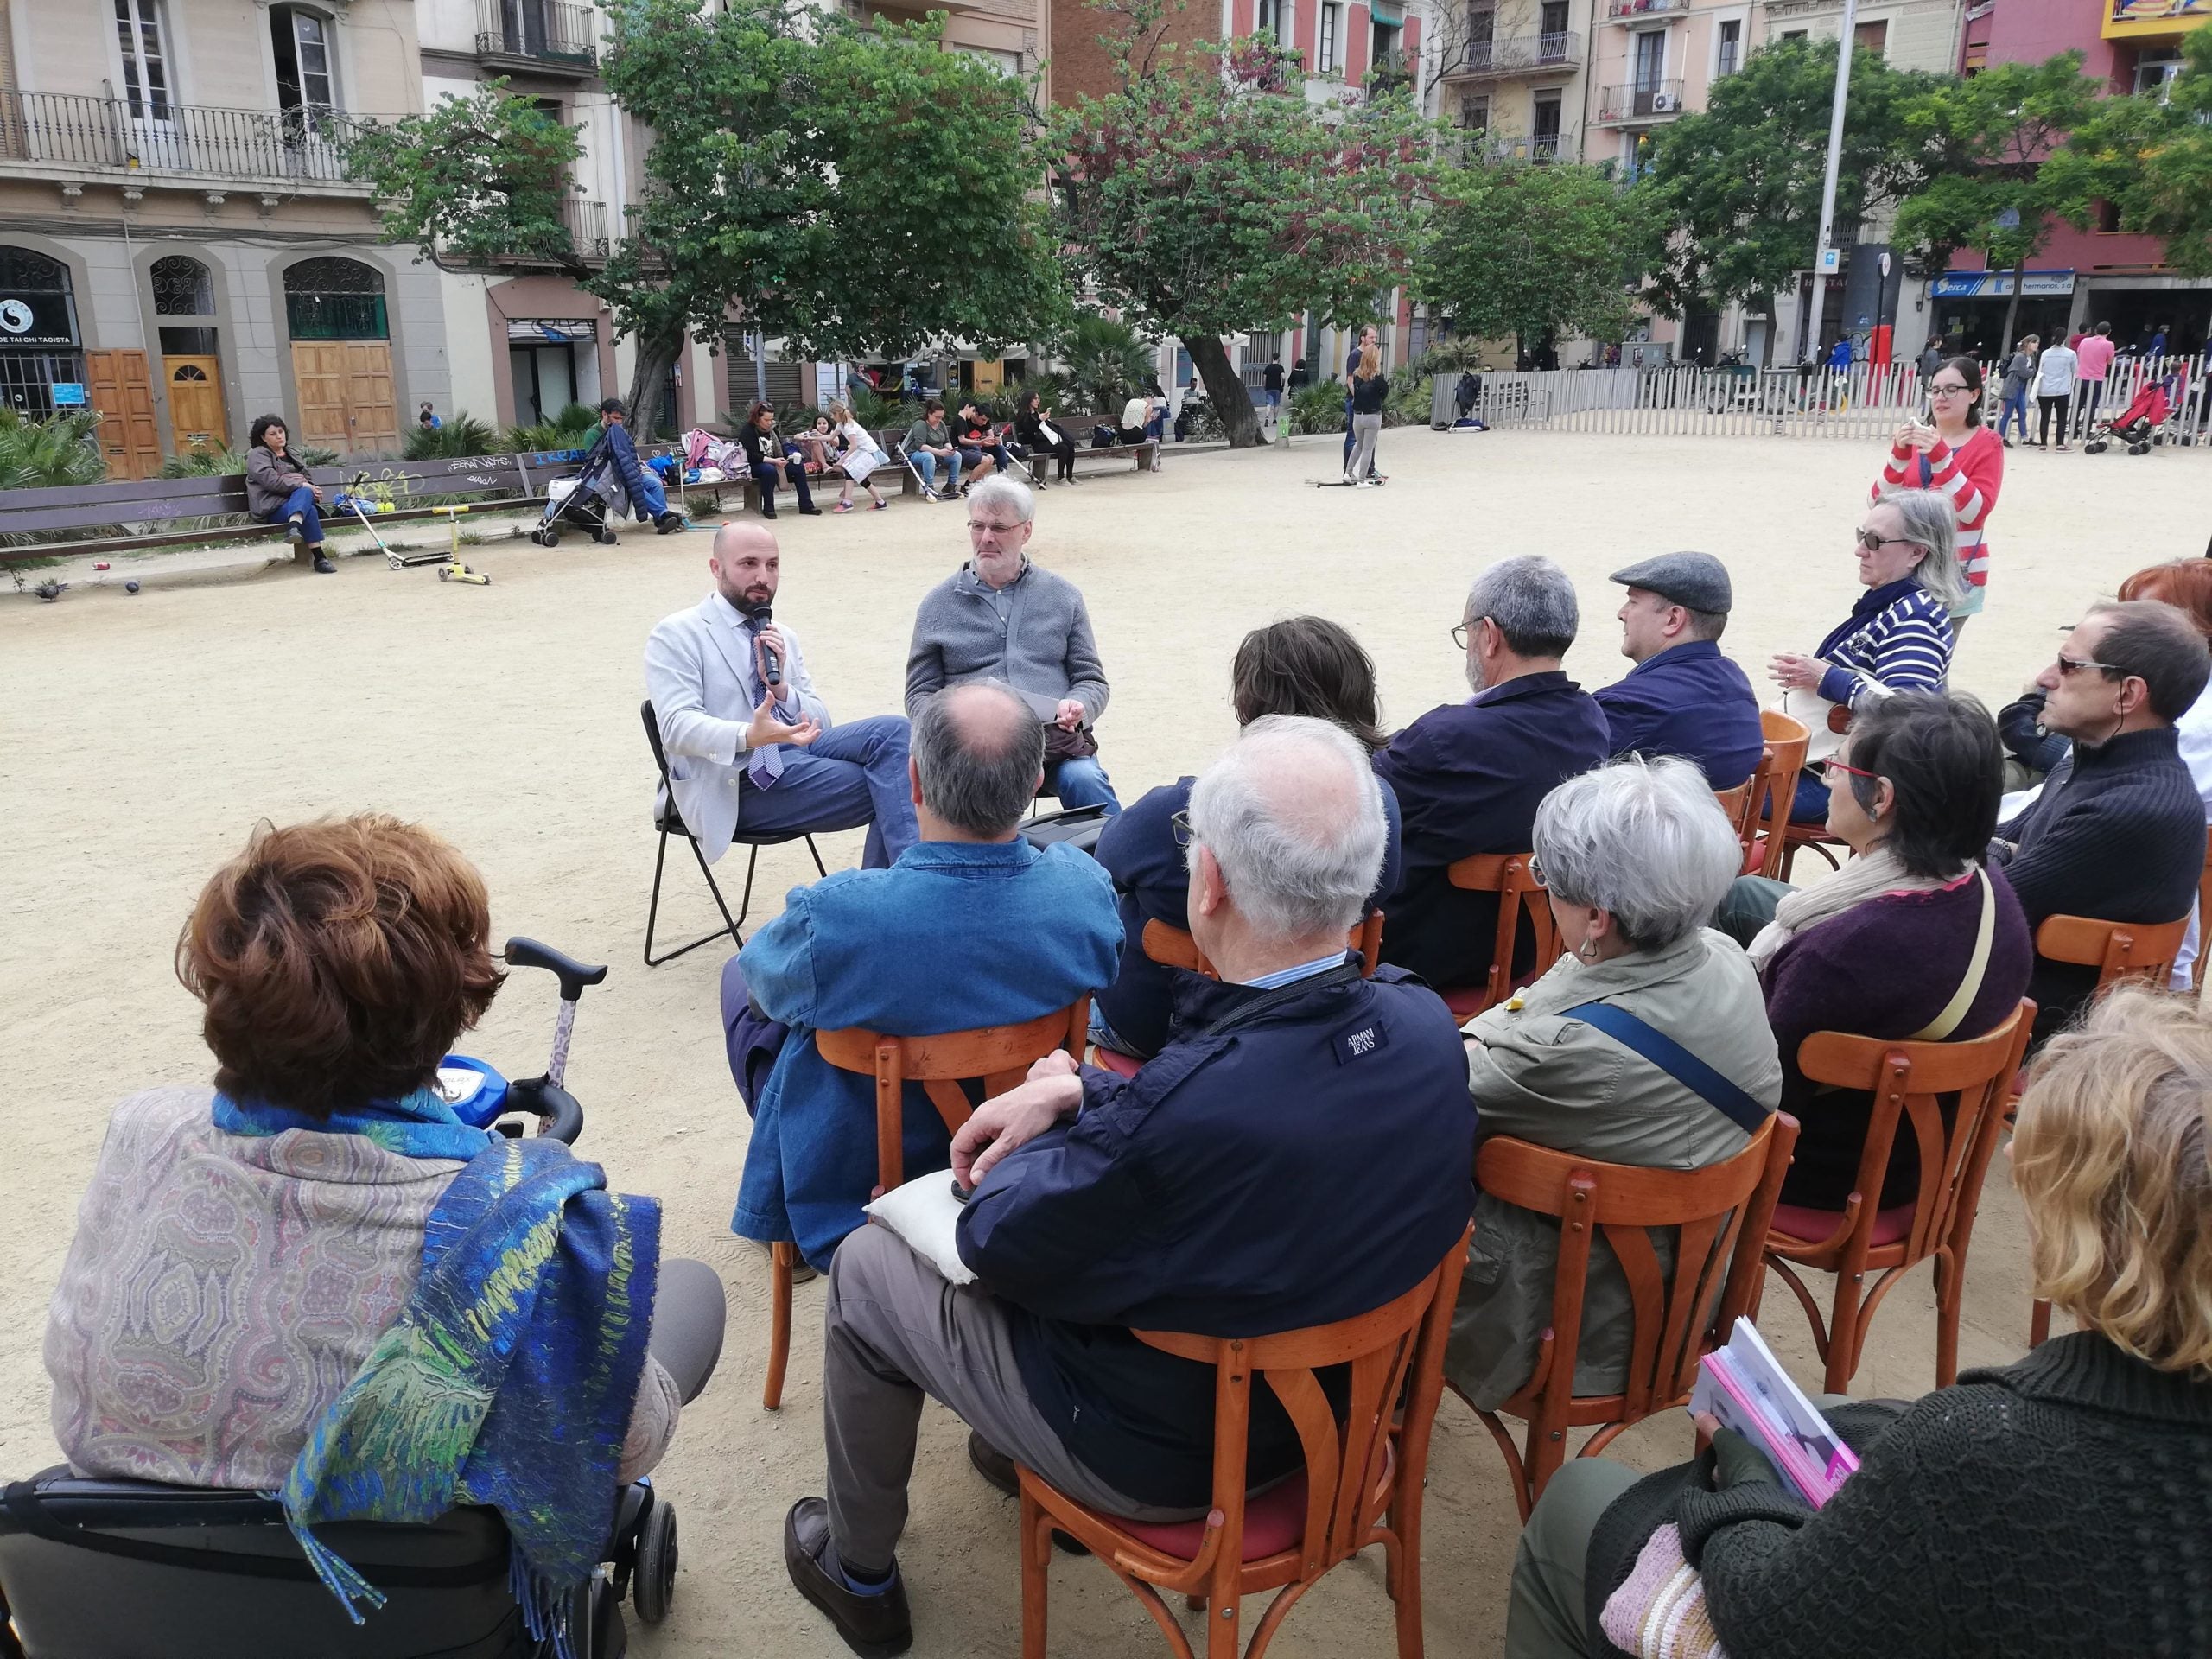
1746,1388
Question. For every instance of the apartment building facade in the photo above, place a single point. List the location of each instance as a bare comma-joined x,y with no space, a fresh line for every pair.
180,245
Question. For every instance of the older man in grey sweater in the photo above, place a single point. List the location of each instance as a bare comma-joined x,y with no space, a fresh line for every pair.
1000,618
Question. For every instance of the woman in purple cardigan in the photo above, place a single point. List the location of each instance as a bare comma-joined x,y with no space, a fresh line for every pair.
1912,938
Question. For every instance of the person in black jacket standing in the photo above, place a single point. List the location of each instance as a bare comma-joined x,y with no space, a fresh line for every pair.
1300,1154
1371,389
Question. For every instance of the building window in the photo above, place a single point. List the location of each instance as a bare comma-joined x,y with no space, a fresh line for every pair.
145,59
1874,36
1551,30
1793,33
1474,114
335,299
1544,130
182,288
38,332
2155,68
1383,47
1731,48
1650,62
1269,19
305,84
1327,61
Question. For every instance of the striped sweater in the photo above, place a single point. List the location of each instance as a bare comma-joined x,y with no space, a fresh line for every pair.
1971,475
1898,638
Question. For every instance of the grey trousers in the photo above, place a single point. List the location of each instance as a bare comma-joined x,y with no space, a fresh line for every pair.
896,1330
1749,907
1366,431
1544,1618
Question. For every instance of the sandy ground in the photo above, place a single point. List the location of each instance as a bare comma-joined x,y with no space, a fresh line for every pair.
141,737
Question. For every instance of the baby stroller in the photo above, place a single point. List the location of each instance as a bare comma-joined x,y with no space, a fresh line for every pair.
113,1569
609,481
2136,425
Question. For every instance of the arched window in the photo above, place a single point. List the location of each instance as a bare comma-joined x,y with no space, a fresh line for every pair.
38,331
332,298
182,288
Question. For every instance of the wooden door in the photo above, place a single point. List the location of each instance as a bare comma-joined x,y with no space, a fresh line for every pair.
195,388
370,409
319,377
118,385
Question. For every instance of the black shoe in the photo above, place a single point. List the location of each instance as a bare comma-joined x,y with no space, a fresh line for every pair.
997,1470
767,512
809,512
875,1627
323,567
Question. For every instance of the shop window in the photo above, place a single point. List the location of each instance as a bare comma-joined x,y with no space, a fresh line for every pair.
38,332
335,299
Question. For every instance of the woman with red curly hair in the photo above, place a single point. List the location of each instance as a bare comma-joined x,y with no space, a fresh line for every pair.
243,1253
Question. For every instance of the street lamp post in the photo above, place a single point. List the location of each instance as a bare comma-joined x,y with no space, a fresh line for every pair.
1822,252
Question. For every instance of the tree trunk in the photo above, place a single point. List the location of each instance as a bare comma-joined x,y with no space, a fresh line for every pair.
2012,312
1225,389
656,355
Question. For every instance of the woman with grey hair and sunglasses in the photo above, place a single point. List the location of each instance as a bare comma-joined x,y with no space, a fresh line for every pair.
1634,856
1899,636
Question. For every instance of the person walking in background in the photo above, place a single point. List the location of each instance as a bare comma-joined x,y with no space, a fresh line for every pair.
2094,357
2055,374
1839,357
1957,457
1368,392
1271,383
276,487
1931,358
2157,348
2019,369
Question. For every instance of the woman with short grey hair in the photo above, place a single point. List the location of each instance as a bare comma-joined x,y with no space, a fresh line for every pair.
1899,636
1634,856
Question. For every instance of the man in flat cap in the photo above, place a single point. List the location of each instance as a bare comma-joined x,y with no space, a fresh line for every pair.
1682,697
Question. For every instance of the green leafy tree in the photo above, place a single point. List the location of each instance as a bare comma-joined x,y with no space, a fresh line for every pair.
1989,138
1533,249
853,190
1207,197
2151,157
1736,187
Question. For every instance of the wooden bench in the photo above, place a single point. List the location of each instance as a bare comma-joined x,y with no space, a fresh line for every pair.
1079,428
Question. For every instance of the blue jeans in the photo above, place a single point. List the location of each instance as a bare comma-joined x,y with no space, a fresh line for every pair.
301,501
2015,408
1811,805
852,774
926,464
1082,781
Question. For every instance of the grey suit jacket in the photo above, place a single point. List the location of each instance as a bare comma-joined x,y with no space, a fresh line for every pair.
704,686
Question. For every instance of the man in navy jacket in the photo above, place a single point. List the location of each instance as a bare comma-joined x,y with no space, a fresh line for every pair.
1682,697
1469,776
1301,1152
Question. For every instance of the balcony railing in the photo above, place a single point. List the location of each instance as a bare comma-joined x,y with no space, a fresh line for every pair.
547,34
1520,54
1475,147
1616,10
152,136
1653,100
586,224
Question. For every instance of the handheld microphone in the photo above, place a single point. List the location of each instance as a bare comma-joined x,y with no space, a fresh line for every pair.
771,660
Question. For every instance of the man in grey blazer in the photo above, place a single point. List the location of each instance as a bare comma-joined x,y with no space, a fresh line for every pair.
737,751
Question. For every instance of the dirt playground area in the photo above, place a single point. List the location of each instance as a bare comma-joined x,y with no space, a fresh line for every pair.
142,737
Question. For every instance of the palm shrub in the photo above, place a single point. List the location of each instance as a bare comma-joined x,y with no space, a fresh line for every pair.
1318,408
52,454
204,461
1107,362
872,409
462,436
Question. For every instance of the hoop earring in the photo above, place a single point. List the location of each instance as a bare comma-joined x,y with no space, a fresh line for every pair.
1587,949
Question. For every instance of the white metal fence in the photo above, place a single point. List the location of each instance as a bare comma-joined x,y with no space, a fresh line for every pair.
1862,402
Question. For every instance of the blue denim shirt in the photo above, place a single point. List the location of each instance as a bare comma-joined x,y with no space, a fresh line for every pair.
953,936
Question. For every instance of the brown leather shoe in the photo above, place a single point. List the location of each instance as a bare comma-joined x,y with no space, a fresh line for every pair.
875,1627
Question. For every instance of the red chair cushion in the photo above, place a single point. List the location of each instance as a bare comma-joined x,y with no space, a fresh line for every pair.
1274,1521
1120,1064
1465,1001
1800,1221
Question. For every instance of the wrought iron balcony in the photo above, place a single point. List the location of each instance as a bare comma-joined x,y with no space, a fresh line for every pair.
155,137
1651,100
586,222
1519,55
540,36
1475,147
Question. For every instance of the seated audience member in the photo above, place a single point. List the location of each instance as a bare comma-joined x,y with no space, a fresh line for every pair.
1000,618
279,1220
1912,938
1034,432
929,445
277,487
1897,637
2187,585
613,471
1304,665
1469,776
972,926
982,451
2030,751
1634,856
2047,1509
2117,832
770,462
742,751
1682,697
1279,1174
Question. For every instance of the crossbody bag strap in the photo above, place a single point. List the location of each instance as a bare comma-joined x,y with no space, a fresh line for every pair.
1674,1060
1977,969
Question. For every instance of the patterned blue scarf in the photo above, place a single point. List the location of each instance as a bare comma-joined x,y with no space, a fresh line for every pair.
508,1380
420,1125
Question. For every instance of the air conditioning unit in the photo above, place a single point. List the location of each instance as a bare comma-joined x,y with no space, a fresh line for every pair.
1664,102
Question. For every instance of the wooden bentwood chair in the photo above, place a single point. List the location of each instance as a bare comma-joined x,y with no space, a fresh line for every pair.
1718,1216
2119,951
1787,740
1362,1484
1510,877
1000,1055
1908,1080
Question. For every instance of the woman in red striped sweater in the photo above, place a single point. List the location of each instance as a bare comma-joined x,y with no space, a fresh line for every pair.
1957,454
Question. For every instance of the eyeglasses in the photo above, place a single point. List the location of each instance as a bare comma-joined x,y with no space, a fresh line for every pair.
1874,543
1180,823
1951,390
2068,665
1459,633
1001,530
1856,771
1535,871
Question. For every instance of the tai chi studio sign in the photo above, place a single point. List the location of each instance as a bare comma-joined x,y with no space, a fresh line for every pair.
37,321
